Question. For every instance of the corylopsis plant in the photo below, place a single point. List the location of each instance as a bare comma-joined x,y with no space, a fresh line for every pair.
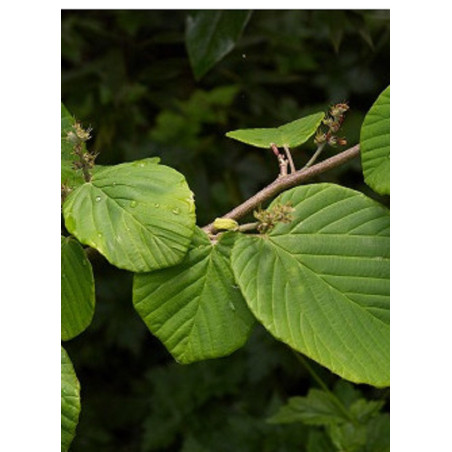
313,269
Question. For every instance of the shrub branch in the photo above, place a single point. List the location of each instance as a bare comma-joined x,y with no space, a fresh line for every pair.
283,183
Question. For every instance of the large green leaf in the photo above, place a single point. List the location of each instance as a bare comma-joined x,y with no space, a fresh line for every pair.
70,401
321,283
69,176
77,289
195,308
211,35
139,215
291,134
374,140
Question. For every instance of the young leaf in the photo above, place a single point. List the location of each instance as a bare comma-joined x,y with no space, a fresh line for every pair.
195,308
139,215
316,409
374,142
70,401
291,134
321,282
77,289
211,35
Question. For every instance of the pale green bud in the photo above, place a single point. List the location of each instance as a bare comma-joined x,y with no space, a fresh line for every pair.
225,224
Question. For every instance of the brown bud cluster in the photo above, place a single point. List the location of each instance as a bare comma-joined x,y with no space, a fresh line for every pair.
333,121
65,190
77,136
280,213
87,160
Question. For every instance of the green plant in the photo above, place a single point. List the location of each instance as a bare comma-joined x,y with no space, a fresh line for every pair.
313,269
342,419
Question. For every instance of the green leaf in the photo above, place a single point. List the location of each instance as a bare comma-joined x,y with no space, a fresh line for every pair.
350,437
321,283
211,35
378,434
291,134
357,20
139,215
70,401
318,441
363,410
346,392
195,308
336,23
374,140
317,408
77,289
69,176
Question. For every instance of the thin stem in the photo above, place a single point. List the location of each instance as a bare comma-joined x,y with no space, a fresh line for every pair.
316,154
86,174
322,384
283,183
289,157
83,164
275,149
283,162
248,226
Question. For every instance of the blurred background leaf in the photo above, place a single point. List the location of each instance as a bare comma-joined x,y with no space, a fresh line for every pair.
127,75
210,35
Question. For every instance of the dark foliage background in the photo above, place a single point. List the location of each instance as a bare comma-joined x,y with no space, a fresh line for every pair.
127,75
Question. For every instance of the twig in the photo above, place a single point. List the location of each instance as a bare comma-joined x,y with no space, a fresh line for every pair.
248,226
281,160
83,164
289,157
282,166
283,183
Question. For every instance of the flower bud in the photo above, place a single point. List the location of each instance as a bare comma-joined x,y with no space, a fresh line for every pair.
78,135
225,224
72,138
338,109
332,140
320,138
328,121
335,126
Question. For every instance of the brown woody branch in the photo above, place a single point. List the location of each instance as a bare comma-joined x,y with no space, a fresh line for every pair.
283,183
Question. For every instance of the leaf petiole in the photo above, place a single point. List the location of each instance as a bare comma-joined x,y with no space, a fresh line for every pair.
314,157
